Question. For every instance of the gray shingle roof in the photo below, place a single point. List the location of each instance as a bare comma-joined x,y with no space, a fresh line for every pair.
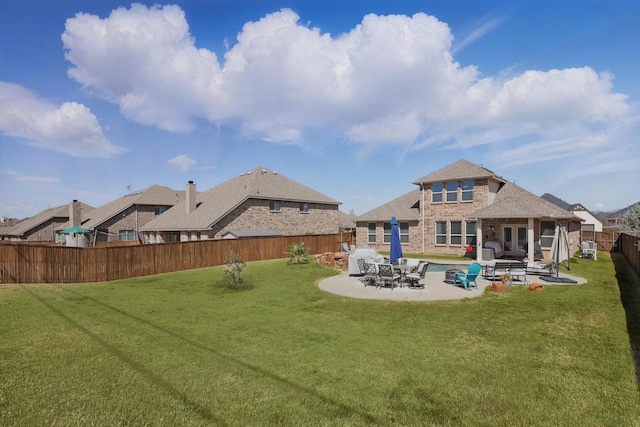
457,171
215,203
155,195
512,201
404,208
251,233
30,223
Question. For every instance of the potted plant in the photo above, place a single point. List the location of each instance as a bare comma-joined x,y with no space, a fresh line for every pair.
506,279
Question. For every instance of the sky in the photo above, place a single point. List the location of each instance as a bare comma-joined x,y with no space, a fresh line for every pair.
356,99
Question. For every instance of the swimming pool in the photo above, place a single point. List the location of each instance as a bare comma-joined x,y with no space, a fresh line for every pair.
437,267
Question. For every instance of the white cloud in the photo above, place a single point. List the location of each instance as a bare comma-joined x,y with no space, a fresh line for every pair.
145,60
182,163
68,128
29,178
486,26
390,80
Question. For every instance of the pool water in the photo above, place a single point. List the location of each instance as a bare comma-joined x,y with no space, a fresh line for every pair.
434,267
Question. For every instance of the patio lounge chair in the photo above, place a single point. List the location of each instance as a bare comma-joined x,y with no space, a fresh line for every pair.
535,268
469,277
386,276
415,277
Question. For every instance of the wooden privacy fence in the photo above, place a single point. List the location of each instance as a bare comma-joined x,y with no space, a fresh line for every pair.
50,264
629,247
606,240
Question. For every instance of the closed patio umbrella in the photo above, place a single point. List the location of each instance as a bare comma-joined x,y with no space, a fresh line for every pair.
396,249
559,247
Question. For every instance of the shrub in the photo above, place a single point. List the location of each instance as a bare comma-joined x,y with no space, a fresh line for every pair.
298,253
233,272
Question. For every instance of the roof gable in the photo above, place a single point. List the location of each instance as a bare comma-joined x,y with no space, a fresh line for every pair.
155,195
217,202
460,170
512,201
28,224
405,207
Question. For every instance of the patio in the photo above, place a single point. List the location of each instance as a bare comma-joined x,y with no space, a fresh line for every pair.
435,288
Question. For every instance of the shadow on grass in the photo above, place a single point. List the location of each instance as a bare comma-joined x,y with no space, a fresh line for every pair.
629,285
146,373
155,379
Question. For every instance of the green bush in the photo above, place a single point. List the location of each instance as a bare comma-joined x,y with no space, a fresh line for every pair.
233,272
298,253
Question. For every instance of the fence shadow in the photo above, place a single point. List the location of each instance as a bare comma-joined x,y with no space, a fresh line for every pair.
629,284
205,413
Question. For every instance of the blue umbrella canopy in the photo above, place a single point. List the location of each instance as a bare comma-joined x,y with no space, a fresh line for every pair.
74,229
396,247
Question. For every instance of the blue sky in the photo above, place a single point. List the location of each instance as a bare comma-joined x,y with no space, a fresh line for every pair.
355,99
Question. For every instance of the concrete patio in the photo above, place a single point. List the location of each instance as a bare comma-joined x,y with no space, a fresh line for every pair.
435,288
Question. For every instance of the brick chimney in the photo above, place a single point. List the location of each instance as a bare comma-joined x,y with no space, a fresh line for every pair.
191,197
75,214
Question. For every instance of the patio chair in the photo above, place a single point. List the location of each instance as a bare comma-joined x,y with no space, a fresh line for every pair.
469,277
415,277
386,276
370,273
362,267
548,269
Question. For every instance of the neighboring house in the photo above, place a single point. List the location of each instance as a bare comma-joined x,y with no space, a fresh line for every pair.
259,199
589,220
42,227
464,205
615,219
122,219
347,228
248,234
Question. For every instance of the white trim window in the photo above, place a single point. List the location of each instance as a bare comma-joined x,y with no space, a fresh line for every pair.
371,232
547,230
455,236
436,193
467,191
386,236
126,235
274,206
404,232
452,191
304,207
441,232
470,232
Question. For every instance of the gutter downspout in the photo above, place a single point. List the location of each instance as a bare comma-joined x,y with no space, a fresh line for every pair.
422,220
479,242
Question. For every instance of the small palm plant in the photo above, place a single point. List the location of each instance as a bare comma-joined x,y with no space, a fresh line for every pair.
298,253
233,273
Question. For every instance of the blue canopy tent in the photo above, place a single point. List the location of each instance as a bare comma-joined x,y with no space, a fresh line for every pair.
74,230
396,248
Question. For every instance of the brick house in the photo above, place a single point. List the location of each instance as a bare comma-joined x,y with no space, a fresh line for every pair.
589,221
465,205
43,226
122,218
259,200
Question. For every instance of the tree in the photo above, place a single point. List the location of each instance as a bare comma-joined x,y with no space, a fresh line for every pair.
632,218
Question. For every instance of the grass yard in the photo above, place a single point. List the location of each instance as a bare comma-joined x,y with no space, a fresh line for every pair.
179,349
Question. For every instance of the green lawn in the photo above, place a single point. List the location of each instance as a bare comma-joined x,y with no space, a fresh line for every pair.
179,349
